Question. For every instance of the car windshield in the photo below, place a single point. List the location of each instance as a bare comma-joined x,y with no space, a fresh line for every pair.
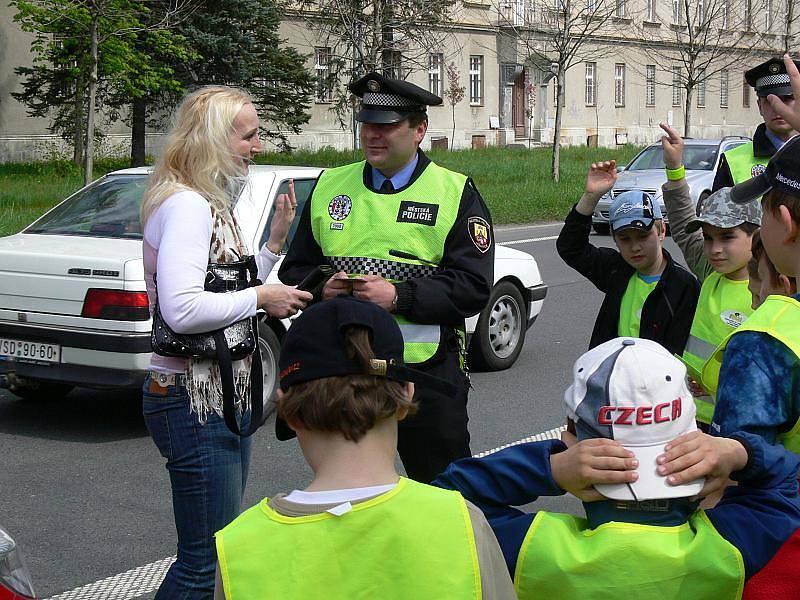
696,157
107,208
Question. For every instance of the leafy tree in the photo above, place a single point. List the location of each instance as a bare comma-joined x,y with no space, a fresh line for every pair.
454,94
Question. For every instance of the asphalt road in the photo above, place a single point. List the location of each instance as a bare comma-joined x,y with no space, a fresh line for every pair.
85,493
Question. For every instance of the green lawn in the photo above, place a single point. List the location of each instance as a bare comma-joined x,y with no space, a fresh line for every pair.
515,183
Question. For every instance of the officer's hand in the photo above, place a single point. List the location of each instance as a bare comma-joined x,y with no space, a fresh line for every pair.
672,146
281,300
697,454
591,462
790,109
336,286
374,288
285,210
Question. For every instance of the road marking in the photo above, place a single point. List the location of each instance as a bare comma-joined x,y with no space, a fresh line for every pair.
528,241
145,579
501,228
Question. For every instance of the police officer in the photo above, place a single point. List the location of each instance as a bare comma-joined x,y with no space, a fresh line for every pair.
748,160
414,238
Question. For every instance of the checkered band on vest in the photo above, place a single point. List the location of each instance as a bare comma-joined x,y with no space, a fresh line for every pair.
393,100
772,80
388,269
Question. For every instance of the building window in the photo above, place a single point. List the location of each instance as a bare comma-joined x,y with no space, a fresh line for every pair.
619,84
476,80
726,14
322,69
435,66
723,89
748,15
591,6
701,88
651,11
591,72
701,13
620,10
393,64
769,18
676,12
650,85
745,93
676,86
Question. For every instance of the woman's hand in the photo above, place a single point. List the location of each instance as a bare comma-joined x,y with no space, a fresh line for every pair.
672,145
281,300
697,454
285,210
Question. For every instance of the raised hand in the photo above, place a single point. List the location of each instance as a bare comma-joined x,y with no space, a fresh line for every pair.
285,211
790,110
601,177
672,145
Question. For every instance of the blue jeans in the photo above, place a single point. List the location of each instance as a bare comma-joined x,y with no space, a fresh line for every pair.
207,467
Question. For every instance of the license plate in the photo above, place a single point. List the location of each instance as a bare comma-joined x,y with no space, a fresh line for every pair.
25,351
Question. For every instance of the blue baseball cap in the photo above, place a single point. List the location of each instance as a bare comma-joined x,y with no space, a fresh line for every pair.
633,209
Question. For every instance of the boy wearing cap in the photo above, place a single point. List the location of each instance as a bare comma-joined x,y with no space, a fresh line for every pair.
419,237
765,280
748,160
638,464
758,365
358,530
647,294
717,247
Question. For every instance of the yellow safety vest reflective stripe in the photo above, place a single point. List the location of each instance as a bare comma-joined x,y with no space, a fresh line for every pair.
415,541
561,557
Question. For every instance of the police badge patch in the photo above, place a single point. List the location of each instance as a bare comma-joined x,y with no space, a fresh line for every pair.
480,233
339,207
757,170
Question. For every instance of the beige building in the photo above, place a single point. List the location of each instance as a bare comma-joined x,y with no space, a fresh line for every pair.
620,87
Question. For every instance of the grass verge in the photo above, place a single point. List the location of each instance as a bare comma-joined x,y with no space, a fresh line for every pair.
515,183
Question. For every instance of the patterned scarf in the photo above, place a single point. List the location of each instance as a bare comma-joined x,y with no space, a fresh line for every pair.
203,382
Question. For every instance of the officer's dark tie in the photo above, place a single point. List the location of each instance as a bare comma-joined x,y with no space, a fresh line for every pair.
387,186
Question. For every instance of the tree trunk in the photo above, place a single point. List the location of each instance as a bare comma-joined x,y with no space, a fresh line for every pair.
687,113
88,160
556,164
138,126
453,139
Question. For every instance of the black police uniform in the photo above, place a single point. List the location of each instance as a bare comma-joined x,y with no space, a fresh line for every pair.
437,434
769,77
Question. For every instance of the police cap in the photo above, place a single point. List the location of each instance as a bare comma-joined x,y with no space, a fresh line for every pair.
770,77
386,100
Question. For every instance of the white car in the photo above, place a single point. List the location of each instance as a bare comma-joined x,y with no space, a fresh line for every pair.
73,306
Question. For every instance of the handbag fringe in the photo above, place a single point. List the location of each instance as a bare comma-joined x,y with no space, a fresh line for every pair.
204,387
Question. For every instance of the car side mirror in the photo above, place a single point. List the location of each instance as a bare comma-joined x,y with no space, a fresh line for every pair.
621,168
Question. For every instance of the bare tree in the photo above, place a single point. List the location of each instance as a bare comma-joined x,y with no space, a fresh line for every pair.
395,37
454,94
699,40
790,22
557,36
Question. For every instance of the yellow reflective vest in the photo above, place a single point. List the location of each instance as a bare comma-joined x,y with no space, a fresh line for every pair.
562,558
778,317
414,542
742,164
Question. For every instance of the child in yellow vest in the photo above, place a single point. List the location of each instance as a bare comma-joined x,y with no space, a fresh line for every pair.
358,530
716,245
638,463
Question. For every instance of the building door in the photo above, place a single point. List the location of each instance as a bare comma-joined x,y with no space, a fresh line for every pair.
518,105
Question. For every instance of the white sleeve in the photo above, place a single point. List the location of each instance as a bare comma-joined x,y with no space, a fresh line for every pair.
266,261
185,236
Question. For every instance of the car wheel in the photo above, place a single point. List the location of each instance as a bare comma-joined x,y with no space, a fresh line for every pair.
700,201
601,228
37,389
270,348
500,332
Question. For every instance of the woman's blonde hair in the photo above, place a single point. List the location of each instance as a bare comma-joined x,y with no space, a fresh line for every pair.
197,151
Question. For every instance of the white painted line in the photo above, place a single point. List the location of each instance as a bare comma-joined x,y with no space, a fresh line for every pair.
528,241
502,228
145,579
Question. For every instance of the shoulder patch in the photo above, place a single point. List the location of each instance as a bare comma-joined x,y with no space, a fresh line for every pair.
757,170
480,233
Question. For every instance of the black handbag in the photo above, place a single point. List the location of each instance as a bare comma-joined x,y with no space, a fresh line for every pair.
233,342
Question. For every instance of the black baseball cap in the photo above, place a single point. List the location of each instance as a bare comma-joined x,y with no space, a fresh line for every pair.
386,100
782,173
770,77
314,348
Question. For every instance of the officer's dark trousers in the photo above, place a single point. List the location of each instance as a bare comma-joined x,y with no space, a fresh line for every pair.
437,435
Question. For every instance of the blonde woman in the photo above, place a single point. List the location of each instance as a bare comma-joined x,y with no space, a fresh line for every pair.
188,223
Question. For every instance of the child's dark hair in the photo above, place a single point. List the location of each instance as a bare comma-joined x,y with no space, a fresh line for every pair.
349,404
759,252
774,199
749,228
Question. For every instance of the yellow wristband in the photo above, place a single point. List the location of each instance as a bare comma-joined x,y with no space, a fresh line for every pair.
676,174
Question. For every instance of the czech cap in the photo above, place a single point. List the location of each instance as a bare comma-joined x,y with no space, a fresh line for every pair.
633,209
633,391
782,173
770,77
720,210
386,100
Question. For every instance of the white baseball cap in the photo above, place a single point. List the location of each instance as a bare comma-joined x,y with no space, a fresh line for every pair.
634,391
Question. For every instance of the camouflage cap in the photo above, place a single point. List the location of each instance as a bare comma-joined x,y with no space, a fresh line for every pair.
720,210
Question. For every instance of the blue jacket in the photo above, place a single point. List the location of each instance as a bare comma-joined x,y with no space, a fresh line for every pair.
757,516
